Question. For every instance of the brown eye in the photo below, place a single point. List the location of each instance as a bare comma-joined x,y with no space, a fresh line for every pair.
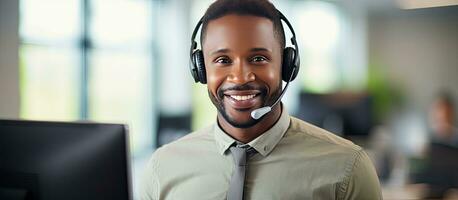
258,59
223,60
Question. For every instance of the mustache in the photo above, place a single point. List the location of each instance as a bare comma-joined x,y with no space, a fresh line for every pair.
246,86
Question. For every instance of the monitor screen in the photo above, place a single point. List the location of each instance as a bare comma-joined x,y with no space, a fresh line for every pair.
345,114
58,160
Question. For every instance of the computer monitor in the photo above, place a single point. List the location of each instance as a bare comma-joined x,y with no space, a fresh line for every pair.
58,160
346,114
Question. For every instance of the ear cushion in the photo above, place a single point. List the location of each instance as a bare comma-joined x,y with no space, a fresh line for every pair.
288,64
199,63
193,68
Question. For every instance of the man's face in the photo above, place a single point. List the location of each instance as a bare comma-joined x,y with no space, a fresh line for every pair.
243,64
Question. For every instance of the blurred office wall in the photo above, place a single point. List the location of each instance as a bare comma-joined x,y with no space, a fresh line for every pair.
9,72
417,49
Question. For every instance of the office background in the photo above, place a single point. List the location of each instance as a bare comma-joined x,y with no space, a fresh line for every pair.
369,69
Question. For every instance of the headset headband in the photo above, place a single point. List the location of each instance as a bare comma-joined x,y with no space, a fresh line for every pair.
282,17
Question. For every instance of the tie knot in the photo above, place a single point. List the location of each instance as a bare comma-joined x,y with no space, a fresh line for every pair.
239,155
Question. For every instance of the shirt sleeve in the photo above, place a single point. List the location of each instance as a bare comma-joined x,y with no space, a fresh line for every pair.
361,182
150,183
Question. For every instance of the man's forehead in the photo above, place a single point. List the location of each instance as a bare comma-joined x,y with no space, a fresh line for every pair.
245,30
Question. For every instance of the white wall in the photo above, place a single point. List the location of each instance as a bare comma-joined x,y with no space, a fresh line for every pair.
418,49
9,73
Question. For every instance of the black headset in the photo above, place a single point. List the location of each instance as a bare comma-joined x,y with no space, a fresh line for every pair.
290,63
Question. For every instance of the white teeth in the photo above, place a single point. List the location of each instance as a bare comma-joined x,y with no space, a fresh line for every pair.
242,98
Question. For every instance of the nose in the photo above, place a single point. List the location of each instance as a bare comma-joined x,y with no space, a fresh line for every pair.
241,73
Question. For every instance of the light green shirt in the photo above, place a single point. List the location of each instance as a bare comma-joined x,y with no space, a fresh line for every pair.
295,160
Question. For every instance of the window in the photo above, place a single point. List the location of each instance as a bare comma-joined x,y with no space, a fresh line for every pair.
119,66
332,40
50,59
90,60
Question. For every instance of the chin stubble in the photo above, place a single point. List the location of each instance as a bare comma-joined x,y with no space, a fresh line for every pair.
218,102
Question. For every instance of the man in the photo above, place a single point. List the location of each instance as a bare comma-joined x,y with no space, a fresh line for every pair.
440,164
241,157
442,120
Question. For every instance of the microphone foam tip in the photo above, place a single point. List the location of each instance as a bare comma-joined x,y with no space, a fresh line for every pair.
258,113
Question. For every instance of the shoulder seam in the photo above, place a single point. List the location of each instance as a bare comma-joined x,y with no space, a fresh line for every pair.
348,172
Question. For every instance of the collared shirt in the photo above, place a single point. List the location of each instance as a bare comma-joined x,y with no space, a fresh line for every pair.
295,160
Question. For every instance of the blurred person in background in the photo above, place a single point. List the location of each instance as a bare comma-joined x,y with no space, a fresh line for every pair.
442,119
251,152
441,155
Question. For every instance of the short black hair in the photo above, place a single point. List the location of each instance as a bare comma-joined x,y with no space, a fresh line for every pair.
259,8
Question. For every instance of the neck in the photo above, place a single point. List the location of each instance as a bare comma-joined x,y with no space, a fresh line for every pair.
246,135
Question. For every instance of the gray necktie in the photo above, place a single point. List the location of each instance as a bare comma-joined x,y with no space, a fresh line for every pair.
236,186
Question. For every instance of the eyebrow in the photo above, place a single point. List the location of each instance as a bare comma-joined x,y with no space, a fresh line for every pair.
219,51
256,49
260,49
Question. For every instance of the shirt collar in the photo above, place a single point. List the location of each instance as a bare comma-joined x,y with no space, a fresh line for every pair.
263,144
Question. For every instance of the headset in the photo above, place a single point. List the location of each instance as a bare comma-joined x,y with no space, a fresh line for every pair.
290,64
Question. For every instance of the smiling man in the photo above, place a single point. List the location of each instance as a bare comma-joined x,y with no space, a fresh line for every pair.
255,150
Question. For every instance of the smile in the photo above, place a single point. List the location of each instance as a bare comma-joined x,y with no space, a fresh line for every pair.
242,98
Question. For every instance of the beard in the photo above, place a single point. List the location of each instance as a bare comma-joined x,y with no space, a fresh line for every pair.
267,100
